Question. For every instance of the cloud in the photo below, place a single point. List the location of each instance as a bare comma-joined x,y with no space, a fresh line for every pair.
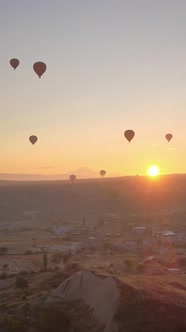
46,167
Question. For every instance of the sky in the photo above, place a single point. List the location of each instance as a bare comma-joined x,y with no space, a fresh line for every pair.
112,65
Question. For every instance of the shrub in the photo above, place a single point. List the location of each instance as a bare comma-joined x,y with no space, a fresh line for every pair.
3,250
21,283
3,275
107,245
92,248
28,252
57,257
14,324
28,292
23,273
3,307
71,268
54,319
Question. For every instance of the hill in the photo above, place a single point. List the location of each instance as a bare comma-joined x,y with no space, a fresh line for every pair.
112,195
92,301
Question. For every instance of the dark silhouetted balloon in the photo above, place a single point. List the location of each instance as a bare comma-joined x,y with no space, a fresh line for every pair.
168,137
129,135
14,63
33,139
72,178
102,173
39,68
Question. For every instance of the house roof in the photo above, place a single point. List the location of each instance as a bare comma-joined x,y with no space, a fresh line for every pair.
168,233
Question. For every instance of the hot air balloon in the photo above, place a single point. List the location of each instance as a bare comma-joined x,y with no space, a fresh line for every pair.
102,173
72,178
33,139
129,135
39,68
14,63
168,137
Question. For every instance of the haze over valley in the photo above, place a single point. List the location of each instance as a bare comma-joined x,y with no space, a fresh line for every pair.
120,236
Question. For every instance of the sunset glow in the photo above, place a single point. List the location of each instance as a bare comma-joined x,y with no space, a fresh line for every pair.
98,84
153,171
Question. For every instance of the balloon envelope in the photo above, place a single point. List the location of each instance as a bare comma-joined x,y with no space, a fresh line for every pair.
14,63
102,172
168,137
72,178
33,139
39,68
129,135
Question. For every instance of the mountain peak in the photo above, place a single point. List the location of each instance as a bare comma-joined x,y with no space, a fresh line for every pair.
81,173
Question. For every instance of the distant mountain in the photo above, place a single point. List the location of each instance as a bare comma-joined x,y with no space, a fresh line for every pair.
81,173
114,175
84,173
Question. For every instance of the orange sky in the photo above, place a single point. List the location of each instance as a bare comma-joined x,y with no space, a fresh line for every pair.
112,66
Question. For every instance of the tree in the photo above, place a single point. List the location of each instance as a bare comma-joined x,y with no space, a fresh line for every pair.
45,261
107,245
3,250
21,283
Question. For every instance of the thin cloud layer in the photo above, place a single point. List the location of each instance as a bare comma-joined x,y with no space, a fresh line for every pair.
46,167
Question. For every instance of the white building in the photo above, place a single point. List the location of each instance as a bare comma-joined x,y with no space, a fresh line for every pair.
62,230
140,230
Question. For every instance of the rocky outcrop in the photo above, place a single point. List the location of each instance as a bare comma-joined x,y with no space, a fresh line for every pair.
100,294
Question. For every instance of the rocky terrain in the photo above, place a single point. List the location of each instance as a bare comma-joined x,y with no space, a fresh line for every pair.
75,299
99,287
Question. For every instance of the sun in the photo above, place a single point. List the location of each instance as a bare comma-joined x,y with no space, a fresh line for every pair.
153,170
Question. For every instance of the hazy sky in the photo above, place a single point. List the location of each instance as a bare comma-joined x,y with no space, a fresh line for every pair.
112,65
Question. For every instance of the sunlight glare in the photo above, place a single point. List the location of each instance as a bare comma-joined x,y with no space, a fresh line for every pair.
153,170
